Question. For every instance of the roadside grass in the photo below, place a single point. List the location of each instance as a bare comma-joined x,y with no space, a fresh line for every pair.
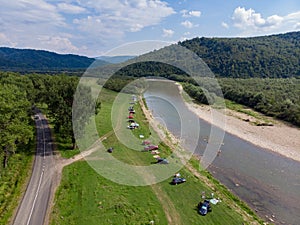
64,146
85,197
13,181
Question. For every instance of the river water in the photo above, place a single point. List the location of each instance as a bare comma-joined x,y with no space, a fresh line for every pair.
269,183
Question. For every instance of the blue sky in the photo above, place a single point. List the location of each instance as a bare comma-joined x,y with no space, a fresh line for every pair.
93,27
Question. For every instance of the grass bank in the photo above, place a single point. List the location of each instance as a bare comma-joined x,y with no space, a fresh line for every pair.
85,197
13,181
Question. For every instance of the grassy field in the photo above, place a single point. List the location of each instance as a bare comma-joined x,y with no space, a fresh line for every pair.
85,197
13,181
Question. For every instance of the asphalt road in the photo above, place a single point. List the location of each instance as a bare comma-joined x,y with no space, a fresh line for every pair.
34,205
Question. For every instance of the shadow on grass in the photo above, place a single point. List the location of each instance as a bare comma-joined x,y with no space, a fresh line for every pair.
66,150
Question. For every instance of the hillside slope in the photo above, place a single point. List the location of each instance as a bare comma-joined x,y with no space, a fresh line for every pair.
266,56
38,60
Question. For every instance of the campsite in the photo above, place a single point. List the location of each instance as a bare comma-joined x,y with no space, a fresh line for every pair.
113,203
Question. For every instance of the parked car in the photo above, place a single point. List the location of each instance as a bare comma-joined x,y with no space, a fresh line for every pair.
162,161
178,180
151,147
146,142
204,207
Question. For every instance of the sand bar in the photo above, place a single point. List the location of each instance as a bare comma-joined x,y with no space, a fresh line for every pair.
280,138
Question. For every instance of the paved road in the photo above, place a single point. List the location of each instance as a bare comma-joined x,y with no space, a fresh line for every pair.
33,208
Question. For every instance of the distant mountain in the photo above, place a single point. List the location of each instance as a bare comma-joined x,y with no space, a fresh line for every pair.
273,56
115,59
25,60
265,56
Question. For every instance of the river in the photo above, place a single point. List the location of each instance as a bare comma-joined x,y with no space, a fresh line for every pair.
269,183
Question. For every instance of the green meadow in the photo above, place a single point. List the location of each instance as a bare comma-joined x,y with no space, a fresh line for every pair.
86,197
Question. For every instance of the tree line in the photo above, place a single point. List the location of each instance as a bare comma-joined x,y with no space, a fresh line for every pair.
277,97
273,97
19,94
274,56
23,60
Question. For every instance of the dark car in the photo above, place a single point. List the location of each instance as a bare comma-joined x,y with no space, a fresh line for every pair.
162,161
110,150
178,180
204,207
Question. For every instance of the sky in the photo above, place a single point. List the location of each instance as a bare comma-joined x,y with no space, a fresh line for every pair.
95,27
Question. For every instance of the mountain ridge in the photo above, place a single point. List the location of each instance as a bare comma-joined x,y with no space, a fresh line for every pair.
269,56
13,59
276,55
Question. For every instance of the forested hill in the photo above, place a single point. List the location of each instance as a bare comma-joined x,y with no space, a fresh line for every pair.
266,56
22,60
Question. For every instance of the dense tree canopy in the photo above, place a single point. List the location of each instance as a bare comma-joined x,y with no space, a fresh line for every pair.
15,114
38,60
274,97
19,93
58,93
275,56
268,56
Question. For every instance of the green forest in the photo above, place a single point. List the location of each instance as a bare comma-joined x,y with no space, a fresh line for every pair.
239,64
19,96
30,60
277,98
54,94
261,72
274,56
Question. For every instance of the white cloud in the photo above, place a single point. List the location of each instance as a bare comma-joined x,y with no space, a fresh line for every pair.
187,24
27,12
136,27
69,8
185,13
168,33
118,17
4,40
22,22
195,13
186,36
246,18
292,20
254,23
58,43
225,25
93,23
